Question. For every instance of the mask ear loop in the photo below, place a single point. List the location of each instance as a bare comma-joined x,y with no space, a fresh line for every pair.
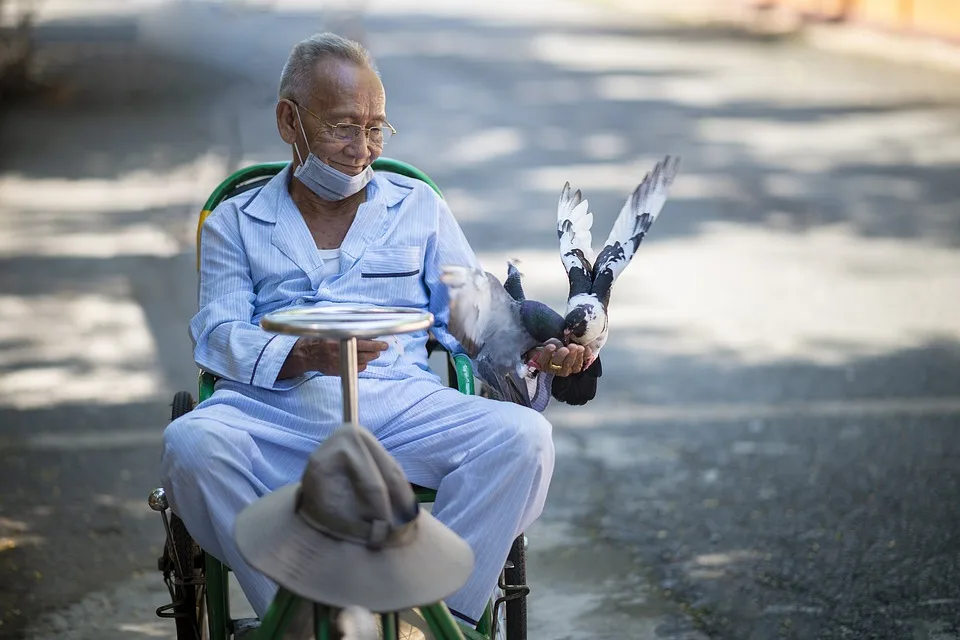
300,121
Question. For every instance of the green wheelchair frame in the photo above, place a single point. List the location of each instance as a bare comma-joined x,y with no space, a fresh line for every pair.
199,583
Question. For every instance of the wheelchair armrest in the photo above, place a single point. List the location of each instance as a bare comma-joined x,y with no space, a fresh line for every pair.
463,367
459,367
207,380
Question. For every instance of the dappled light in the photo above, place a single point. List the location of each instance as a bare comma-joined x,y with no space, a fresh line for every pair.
16,534
716,294
784,355
136,189
484,146
93,348
137,214
639,414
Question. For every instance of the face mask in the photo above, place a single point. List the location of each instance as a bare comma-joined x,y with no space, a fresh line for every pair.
324,180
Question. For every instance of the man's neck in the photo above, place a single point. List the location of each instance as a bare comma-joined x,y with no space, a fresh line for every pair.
313,206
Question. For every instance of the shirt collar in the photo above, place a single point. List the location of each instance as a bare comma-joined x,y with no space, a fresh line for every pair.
267,201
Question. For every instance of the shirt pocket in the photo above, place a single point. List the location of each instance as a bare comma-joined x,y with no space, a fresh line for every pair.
391,275
391,263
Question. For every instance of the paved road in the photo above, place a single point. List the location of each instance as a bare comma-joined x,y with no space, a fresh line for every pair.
774,453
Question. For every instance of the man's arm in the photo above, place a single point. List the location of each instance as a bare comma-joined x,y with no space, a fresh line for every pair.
226,341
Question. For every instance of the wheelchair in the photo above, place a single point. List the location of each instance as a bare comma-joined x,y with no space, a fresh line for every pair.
198,583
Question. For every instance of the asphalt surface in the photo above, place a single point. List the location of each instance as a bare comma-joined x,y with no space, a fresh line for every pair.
774,452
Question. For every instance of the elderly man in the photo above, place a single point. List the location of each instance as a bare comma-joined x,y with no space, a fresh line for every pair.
327,230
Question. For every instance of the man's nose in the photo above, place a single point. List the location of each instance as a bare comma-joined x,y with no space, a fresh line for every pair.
358,147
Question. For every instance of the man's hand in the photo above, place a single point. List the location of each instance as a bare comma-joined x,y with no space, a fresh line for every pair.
311,354
558,359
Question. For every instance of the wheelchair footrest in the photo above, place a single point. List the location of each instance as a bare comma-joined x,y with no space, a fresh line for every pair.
167,611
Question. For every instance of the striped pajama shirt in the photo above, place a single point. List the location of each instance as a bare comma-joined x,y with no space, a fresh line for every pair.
491,462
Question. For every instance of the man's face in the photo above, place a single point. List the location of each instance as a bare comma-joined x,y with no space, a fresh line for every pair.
343,93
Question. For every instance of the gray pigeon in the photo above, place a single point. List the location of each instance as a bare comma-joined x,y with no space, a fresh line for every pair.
487,322
591,282
497,325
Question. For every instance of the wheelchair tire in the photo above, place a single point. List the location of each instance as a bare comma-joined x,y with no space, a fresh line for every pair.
516,610
182,403
189,600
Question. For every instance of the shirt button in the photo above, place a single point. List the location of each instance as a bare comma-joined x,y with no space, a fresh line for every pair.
301,300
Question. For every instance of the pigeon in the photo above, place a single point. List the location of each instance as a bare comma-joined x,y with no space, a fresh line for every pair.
591,280
497,328
576,389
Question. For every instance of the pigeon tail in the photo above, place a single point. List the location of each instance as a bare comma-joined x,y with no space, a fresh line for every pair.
578,389
512,284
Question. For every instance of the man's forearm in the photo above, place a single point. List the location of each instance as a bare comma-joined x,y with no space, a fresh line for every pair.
295,364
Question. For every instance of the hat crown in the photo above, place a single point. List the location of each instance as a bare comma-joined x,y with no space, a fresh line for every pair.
353,490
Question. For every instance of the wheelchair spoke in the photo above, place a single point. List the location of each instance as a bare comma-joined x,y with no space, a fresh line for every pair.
202,625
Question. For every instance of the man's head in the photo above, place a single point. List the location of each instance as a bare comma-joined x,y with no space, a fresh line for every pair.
330,80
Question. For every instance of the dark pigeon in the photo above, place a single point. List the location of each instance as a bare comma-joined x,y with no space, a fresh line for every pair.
543,323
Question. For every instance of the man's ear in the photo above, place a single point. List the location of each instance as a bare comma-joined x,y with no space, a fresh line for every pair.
287,121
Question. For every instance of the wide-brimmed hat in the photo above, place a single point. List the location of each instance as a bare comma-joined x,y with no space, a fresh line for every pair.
352,533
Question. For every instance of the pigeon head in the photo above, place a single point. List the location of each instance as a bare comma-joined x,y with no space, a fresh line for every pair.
583,323
575,324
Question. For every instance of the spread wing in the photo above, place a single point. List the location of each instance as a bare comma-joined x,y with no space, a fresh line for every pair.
638,213
574,221
484,318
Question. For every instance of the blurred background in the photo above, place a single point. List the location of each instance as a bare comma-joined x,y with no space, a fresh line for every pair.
774,451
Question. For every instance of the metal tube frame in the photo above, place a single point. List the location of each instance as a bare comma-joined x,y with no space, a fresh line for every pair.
349,379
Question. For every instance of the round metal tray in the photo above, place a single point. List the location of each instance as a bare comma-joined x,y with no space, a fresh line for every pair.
347,321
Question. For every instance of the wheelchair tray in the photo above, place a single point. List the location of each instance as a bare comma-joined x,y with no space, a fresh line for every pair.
347,321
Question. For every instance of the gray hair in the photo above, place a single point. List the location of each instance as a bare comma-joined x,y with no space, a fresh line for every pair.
296,79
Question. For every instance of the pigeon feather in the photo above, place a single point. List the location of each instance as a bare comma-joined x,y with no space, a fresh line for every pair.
586,319
574,222
485,319
639,212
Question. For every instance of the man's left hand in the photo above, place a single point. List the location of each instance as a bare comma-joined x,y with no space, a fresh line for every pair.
558,359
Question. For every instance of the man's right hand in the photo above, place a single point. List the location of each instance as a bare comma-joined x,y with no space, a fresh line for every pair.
312,354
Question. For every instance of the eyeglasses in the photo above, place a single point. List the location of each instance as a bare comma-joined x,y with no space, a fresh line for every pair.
346,132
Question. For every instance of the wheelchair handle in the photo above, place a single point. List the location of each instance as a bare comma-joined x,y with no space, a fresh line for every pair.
347,323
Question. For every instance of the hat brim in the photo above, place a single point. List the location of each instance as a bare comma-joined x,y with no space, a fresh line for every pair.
313,565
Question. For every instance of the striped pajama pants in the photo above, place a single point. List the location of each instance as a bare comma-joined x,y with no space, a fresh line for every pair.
490,462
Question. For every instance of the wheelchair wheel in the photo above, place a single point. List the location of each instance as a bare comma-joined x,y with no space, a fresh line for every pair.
516,575
182,403
189,606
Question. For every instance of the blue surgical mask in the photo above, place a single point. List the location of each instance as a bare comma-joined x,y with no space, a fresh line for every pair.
324,180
